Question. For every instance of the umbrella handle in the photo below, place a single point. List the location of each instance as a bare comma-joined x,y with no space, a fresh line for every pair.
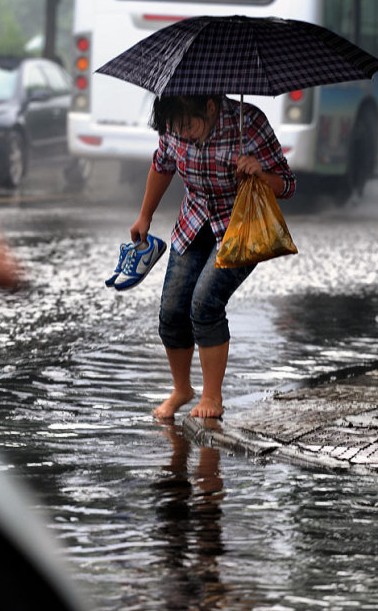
241,121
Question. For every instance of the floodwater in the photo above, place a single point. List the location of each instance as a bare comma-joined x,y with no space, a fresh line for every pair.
147,519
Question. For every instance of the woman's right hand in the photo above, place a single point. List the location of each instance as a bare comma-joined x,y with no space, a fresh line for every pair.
139,230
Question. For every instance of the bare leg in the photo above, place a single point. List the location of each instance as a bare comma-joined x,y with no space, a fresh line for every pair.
213,363
180,360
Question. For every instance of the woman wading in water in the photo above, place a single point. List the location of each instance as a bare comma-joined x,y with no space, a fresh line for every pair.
199,138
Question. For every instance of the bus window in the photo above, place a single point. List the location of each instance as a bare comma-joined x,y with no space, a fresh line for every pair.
369,26
340,18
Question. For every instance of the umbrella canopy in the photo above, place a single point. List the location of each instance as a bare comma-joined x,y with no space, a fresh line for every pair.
240,55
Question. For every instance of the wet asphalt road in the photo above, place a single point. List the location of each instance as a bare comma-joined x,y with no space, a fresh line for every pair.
149,520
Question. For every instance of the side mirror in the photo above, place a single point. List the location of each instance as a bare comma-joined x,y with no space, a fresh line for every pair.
39,95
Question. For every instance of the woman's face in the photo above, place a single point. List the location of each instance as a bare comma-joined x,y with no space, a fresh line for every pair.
198,128
192,128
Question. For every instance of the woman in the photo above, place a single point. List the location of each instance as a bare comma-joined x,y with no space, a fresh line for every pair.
199,138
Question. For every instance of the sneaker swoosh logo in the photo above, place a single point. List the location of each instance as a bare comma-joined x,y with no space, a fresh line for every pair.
145,261
148,260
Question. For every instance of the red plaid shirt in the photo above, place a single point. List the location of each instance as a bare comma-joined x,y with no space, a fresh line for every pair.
209,170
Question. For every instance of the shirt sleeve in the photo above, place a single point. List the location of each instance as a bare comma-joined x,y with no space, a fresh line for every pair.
262,142
162,161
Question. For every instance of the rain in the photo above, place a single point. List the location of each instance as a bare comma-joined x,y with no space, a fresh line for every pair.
143,515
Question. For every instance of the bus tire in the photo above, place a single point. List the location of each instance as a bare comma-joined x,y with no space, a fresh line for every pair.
361,157
364,150
77,173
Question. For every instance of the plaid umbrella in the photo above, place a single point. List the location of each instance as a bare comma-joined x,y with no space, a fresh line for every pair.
240,55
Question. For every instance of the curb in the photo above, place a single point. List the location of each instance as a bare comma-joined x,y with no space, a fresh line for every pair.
332,425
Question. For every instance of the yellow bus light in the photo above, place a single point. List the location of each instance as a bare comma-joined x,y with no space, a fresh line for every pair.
82,64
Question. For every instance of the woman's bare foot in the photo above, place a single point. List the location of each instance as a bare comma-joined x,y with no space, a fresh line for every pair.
170,406
207,408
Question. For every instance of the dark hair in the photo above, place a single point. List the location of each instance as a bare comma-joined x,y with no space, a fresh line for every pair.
168,110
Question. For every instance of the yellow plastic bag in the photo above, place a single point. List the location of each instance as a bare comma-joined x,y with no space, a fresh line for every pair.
257,230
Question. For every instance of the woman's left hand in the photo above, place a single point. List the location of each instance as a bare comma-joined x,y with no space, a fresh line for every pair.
248,164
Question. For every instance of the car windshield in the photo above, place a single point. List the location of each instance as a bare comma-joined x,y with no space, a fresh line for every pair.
7,84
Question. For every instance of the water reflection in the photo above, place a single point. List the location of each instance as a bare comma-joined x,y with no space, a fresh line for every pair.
188,509
150,521
322,319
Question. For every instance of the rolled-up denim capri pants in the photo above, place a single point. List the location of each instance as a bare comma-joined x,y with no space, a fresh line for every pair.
195,295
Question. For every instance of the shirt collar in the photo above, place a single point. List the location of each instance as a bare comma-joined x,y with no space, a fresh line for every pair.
228,118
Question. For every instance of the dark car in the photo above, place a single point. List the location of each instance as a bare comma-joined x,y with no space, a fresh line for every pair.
35,96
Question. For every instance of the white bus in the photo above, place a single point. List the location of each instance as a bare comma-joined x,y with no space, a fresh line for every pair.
328,134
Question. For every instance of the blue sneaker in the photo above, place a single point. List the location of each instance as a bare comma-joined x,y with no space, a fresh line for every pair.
123,250
139,260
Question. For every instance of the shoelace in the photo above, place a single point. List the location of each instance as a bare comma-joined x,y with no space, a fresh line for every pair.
129,260
122,252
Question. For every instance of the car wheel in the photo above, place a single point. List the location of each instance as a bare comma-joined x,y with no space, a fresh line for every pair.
14,166
77,173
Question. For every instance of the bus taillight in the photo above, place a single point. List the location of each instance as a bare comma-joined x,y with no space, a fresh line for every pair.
91,140
81,83
82,64
297,95
165,18
82,43
298,106
81,73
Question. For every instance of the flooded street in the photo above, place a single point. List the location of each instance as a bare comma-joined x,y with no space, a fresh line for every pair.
148,520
